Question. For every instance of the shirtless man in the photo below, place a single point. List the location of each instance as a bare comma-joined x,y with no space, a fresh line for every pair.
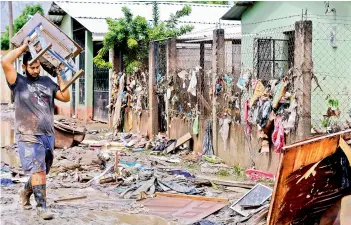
34,119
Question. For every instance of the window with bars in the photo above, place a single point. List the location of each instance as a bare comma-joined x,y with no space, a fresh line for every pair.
274,56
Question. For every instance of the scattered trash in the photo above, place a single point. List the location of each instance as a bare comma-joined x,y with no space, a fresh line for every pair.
139,150
70,198
184,173
258,175
179,142
5,182
253,199
68,132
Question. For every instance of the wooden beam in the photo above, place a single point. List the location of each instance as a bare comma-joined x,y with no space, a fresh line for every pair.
179,142
70,82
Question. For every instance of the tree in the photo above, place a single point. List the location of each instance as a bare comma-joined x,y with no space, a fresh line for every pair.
131,35
19,22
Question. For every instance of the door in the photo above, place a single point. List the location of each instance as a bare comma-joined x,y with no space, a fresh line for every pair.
100,94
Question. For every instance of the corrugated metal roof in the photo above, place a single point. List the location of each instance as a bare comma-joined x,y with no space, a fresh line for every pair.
92,15
237,10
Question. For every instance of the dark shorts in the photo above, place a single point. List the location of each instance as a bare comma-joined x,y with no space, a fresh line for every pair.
36,156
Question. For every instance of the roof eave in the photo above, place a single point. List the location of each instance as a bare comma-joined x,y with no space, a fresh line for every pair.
237,10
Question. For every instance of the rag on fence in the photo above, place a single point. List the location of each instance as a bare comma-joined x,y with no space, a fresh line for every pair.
207,142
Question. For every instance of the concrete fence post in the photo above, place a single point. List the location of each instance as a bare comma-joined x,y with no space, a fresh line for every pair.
171,73
218,62
111,59
153,109
303,74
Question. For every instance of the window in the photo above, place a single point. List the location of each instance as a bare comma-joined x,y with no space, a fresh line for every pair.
264,59
274,56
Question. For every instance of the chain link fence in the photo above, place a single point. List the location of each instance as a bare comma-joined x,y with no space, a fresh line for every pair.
331,91
260,66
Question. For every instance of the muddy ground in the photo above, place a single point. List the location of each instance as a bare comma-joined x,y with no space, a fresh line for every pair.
102,204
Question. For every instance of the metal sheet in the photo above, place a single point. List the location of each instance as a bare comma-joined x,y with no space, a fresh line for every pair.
187,209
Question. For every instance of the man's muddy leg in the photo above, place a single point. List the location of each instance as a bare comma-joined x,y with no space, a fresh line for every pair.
38,181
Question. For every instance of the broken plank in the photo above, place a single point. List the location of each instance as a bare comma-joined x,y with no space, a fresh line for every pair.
70,198
204,102
73,79
194,197
179,142
242,184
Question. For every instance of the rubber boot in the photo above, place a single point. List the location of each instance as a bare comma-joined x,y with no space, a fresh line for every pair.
40,197
25,194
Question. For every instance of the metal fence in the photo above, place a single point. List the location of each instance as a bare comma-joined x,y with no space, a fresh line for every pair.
331,90
262,64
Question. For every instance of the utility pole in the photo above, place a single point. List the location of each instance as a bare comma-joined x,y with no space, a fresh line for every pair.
10,23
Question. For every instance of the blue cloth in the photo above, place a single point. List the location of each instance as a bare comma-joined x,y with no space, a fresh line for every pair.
37,154
5,182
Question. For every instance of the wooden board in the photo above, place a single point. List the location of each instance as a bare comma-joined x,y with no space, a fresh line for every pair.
73,79
295,157
186,209
61,38
179,142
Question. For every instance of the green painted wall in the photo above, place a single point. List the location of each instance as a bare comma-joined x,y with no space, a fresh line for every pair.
67,27
89,55
331,64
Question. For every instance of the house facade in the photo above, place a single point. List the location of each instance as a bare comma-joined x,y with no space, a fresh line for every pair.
268,37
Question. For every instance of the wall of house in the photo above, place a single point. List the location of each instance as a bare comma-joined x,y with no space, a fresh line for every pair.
330,63
64,108
89,55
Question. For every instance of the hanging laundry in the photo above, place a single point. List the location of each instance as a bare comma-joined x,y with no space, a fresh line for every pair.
290,123
196,125
158,77
259,90
168,93
279,93
207,142
174,99
182,74
224,131
264,113
192,84
278,134
218,89
242,81
281,72
227,79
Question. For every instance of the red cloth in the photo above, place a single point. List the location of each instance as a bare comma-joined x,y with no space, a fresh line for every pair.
278,135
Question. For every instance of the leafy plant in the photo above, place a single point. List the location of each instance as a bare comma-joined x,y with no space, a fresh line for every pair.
334,103
19,22
238,171
326,122
131,35
223,172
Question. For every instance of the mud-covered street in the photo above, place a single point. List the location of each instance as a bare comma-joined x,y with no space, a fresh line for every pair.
75,199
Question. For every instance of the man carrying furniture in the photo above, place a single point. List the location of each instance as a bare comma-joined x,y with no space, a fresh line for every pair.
34,119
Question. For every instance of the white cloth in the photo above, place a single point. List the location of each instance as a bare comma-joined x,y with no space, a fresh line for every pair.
192,84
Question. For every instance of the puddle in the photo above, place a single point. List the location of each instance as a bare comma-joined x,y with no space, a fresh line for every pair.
7,134
135,219
7,137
